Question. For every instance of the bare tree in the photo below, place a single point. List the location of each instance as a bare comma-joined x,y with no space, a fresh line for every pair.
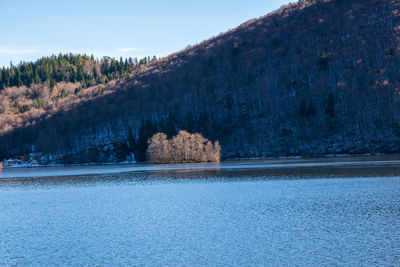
159,150
182,148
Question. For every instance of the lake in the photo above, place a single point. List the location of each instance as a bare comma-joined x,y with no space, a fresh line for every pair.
281,212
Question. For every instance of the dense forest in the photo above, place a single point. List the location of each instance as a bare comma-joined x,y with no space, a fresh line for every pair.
312,78
69,68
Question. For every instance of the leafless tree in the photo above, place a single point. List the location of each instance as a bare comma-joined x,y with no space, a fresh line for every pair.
182,148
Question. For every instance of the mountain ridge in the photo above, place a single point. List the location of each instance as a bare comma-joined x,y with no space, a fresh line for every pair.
308,79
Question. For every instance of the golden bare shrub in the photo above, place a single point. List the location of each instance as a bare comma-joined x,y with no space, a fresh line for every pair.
182,148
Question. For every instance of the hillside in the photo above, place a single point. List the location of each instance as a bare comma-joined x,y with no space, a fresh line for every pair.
42,88
309,79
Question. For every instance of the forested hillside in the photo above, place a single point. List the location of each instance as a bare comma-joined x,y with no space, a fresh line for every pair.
41,88
312,78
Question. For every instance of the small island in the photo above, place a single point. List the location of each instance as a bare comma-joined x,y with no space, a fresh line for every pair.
182,148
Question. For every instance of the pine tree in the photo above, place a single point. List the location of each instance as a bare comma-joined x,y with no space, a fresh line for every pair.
311,111
131,140
170,129
80,75
303,109
95,75
330,106
140,153
52,83
189,122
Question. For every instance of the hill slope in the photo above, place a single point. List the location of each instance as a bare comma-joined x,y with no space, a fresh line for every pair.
308,79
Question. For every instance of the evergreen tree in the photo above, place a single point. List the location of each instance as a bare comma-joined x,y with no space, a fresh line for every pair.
189,122
95,75
170,129
323,61
311,111
140,153
330,106
80,75
303,109
52,83
131,140
235,49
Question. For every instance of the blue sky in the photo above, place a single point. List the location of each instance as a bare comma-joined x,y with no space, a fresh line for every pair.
31,29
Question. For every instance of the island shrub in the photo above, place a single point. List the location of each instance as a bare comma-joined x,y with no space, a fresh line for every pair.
182,148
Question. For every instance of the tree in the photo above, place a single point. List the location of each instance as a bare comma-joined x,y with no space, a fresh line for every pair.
80,75
303,109
311,111
36,77
18,78
189,122
52,83
159,150
131,140
95,75
307,110
170,125
323,61
330,106
235,49
140,153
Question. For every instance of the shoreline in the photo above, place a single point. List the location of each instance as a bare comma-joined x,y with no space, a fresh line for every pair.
263,165
30,165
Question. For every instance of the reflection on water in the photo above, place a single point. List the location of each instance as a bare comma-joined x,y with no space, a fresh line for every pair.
245,169
281,212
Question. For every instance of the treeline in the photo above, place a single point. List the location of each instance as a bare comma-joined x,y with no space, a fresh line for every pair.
69,68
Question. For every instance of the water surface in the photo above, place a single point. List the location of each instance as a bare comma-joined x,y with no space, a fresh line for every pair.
264,212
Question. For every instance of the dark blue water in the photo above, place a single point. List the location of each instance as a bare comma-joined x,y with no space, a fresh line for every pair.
310,214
